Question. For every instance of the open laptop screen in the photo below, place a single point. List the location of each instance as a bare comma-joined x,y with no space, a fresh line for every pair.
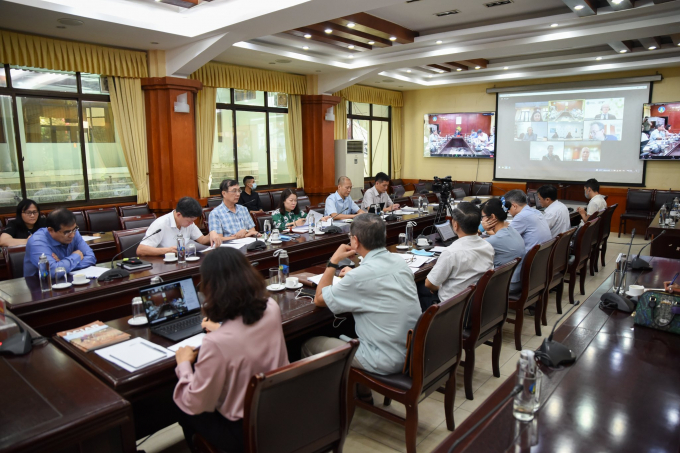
169,300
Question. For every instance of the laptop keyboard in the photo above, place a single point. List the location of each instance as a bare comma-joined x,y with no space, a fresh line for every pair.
180,325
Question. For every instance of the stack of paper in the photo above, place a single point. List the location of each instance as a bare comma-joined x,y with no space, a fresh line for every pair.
300,229
89,238
91,272
413,260
134,354
437,249
317,278
194,342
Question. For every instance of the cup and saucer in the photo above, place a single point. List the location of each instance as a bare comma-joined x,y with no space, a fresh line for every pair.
318,232
61,285
193,258
80,279
138,321
293,283
635,291
170,258
276,242
276,287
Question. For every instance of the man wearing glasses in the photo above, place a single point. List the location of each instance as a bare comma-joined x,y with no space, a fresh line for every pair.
60,242
231,220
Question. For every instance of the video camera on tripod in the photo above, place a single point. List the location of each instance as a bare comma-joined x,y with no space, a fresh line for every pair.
443,186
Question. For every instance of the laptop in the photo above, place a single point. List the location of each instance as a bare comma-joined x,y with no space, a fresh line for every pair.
172,308
446,233
371,210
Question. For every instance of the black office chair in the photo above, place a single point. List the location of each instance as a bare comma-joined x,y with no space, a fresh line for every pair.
102,219
137,209
214,202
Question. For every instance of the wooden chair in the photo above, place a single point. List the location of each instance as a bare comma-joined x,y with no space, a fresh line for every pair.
486,317
214,202
534,275
265,201
557,268
481,188
301,407
435,354
136,221
14,257
102,219
602,238
458,194
662,197
638,207
578,261
259,219
205,218
81,222
594,245
126,238
465,186
276,198
137,209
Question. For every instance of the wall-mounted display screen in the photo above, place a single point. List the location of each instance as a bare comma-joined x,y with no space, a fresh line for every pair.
659,139
459,135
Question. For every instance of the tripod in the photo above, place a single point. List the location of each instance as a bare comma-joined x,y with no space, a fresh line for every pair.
440,215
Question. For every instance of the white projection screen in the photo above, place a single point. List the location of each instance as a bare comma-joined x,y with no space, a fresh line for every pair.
571,134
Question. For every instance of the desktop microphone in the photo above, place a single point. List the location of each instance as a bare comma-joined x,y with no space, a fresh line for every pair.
476,200
113,274
18,344
553,353
638,263
615,300
334,229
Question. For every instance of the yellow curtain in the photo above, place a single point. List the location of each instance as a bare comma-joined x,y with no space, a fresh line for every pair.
220,75
295,137
370,95
47,53
341,120
205,137
127,104
397,144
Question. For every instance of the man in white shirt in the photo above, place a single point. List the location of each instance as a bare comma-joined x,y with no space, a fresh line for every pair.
482,137
462,263
555,212
181,220
597,201
655,133
378,194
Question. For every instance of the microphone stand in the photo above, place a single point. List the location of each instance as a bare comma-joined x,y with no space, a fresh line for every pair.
112,273
638,263
616,300
334,229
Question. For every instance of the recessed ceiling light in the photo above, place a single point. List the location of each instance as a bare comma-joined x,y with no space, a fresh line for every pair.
72,22
154,42
651,47
599,58
158,0
617,1
350,47
554,25
679,43
370,43
305,48
272,62
408,70
578,7
505,68
623,51
307,35
439,42
393,38
351,56
318,70
60,26
328,30
478,67
430,76
351,25
459,69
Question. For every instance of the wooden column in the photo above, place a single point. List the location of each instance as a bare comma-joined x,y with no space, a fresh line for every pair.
171,140
318,146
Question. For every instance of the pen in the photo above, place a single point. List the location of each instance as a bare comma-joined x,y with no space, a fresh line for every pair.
674,278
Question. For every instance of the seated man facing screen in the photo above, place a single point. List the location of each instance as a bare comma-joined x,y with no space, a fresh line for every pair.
231,220
380,294
378,194
596,203
249,198
341,203
528,222
555,212
60,242
181,220
506,242
462,263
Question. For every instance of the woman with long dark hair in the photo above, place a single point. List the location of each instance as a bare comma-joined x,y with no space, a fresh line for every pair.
245,337
288,215
27,221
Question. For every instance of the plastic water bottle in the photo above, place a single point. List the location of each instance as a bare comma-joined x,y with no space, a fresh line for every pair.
312,226
44,273
181,249
284,265
420,204
267,230
662,215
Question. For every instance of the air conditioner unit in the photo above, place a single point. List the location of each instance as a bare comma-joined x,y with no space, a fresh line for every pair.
349,161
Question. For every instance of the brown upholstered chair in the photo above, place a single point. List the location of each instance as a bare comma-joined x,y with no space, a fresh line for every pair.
137,209
481,188
465,186
398,191
458,194
81,222
638,207
303,202
594,245
397,182
662,197
579,260
136,221
259,219
276,198
102,219
534,276
487,313
559,262
14,257
126,238
205,219
602,237
428,184
300,192
532,198
214,202
419,188
434,357
265,201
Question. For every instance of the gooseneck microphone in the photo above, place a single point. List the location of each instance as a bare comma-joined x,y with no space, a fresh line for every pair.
553,353
113,274
615,300
476,200
638,263
334,229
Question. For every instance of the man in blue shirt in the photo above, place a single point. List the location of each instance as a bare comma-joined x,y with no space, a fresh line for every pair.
60,242
528,222
231,220
341,203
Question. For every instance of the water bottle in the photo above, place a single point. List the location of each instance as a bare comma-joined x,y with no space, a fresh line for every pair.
267,230
284,265
181,249
527,402
662,215
312,226
44,273
409,233
420,204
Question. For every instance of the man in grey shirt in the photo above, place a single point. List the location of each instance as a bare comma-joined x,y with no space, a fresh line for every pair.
380,293
378,194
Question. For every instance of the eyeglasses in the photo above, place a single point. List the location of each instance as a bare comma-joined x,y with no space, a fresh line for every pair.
235,191
70,232
30,213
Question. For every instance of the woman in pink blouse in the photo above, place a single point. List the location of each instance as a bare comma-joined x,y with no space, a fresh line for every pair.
245,337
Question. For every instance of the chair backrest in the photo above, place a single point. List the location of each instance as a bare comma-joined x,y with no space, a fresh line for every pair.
481,188
560,255
397,182
607,222
465,186
259,218
458,194
214,202
102,219
276,198
301,407
438,340
81,222
489,306
534,274
428,184
14,257
136,221
398,191
420,187
300,192
532,199
598,226
432,198
639,200
126,238
138,209
205,218
664,196
265,201
303,202
583,243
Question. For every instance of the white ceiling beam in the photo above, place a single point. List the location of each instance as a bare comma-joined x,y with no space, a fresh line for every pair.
650,43
182,61
620,46
336,81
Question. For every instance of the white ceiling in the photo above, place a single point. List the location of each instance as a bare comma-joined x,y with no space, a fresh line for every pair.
518,36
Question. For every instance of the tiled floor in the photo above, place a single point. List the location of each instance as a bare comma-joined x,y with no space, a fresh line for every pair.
370,433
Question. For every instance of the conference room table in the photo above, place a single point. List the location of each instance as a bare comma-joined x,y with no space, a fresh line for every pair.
51,403
57,310
668,245
621,394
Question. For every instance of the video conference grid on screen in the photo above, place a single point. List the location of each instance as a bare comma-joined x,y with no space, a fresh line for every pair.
659,139
470,135
571,134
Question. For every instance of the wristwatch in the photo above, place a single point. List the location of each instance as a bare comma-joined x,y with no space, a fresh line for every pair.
329,264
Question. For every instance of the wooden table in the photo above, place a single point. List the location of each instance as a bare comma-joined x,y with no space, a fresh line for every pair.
667,246
622,394
59,310
50,403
